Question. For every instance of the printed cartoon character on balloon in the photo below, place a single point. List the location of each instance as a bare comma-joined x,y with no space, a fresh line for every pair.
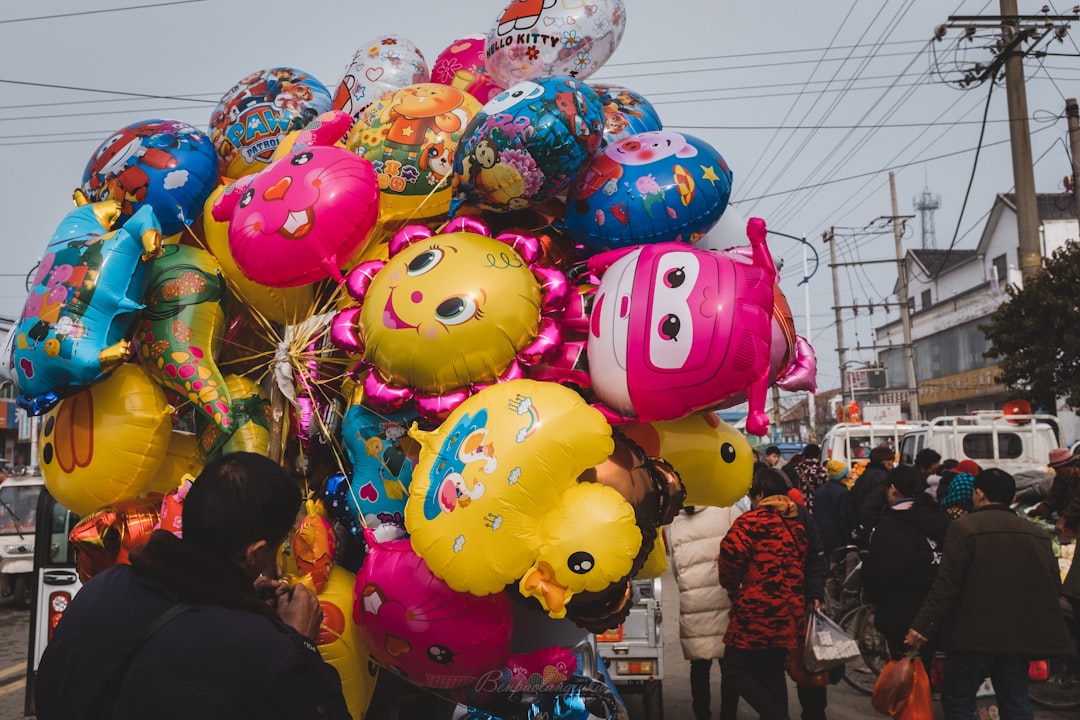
674,329
447,315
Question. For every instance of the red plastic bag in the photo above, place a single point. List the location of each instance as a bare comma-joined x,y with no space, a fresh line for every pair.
796,668
919,705
893,686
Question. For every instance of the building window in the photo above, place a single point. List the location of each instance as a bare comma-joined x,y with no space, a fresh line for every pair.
1001,268
925,299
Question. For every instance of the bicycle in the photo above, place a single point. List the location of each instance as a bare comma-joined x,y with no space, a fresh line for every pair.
1060,689
845,604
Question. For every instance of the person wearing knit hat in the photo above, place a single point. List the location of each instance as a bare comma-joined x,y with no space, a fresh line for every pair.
834,512
957,501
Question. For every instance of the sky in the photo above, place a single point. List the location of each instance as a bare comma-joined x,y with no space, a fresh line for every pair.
809,103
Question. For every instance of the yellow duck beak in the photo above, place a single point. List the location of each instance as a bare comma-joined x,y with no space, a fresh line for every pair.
539,582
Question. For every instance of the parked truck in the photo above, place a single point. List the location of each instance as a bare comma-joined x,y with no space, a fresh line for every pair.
634,651
851,442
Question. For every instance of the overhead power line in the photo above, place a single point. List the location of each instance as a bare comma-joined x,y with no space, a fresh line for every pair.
99,12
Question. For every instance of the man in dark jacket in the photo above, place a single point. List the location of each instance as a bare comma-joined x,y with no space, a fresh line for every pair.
905,552
183,633
868,492
994,602
833,508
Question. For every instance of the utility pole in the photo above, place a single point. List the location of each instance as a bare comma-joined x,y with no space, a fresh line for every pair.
1072,113
811,408
1027,209
841,348
905,312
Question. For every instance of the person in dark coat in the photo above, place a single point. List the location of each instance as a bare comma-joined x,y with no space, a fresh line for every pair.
995,602
811,473
228,651
905,552
868,492
833,508
814,700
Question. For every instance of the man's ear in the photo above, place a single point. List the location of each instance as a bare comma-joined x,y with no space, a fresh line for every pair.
250,558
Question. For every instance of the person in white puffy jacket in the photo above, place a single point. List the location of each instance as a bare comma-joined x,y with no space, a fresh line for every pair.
694,538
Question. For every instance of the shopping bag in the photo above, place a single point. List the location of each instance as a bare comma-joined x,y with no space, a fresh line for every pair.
893,686
919,705
796,668
827,645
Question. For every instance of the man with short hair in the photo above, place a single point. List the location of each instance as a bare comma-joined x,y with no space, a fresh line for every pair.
994,603
184,632
772,456
927,462
868,492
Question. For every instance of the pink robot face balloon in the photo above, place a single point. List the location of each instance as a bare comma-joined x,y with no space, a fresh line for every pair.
675,329
304,216
417,626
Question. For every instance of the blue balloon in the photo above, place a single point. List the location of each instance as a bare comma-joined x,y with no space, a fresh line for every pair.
381,470
626,112
527,144
166,164
652,187
83,303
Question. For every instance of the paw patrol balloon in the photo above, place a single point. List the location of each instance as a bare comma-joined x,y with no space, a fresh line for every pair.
166,164
527,144
626,112
255,113
658,186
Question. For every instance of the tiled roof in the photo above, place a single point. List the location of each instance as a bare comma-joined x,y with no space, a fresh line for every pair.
1052,206
937,261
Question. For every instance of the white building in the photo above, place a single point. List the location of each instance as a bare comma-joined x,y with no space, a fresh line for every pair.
950,293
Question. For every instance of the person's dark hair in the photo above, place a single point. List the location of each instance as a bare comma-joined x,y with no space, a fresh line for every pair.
768,481
926,458
760,465
997,485
906,479
948,464
881,453
772,450
238,499
811,451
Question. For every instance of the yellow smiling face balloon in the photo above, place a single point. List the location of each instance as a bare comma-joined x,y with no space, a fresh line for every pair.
449,312
490,473
106,443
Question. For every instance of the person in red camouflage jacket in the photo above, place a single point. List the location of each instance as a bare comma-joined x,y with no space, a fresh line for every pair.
761,565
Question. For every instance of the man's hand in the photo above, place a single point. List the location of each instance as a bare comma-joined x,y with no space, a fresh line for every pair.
914,639
299,608
815,605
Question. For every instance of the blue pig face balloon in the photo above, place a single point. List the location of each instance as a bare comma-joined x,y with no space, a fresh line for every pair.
83,303
166,164
527,144
658,186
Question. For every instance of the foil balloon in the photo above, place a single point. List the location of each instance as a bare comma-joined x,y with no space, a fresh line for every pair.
313,548
448,314
494,497
167,165
182,459
414,624
83,303
253,115
531,38
410,136
341,644
107,536
656,564
463,65
527,144
713,459
342,505
171,514
377,446
180,330
626,112
249,431
675,330
385,64
284,306
657,186
106,443
303,217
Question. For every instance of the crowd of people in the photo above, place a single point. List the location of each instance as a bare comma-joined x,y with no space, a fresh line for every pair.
949,566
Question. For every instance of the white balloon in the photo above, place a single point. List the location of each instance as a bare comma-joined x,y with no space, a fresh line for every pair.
385,64
535,38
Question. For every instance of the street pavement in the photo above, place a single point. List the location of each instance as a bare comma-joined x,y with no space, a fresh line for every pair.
14,639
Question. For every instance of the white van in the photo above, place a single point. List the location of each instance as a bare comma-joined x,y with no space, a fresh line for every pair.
851,443
1014,443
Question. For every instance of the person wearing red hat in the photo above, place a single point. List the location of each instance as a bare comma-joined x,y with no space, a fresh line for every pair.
1063,500
968,466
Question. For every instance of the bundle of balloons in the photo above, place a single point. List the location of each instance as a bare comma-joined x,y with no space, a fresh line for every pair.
500,307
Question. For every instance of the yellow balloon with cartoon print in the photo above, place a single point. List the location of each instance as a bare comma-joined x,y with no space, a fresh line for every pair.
341,645
489,476
106,443
182,458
